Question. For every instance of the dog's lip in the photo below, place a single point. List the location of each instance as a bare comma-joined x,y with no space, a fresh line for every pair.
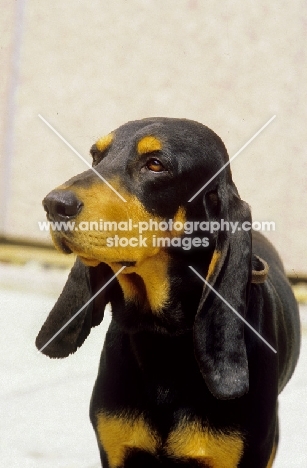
86,259
64,247
68,247
126,264
83,256
89,261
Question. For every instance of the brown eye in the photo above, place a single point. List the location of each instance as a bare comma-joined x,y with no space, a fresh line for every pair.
155,165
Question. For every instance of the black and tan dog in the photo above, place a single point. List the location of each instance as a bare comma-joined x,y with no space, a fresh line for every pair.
182,381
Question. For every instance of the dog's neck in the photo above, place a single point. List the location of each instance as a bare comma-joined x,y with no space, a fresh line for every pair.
147,283
156,296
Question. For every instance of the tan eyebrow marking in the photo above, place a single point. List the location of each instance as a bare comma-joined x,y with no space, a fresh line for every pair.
104,142
148,144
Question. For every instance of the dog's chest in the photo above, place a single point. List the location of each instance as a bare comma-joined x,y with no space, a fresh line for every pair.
161,419
125,437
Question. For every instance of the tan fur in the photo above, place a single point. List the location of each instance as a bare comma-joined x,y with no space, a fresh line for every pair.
103,143
217,450
119,433
149,144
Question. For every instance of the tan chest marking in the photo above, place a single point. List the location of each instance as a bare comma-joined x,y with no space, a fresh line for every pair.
118,434
218,450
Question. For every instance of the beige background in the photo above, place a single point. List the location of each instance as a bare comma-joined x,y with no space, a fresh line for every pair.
88,67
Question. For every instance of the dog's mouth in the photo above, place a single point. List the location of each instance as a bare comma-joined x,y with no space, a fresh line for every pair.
94,262
126,264
85,258
61,244
67,248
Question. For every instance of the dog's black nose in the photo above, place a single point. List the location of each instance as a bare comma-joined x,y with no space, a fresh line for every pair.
60,204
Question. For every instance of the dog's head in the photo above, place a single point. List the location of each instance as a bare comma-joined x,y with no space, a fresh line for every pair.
145,173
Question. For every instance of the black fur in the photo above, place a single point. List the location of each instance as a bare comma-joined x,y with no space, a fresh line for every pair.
195,359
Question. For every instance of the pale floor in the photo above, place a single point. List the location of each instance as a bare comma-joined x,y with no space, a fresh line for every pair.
44,403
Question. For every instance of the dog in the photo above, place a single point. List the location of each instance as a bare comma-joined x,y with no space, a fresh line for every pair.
205,329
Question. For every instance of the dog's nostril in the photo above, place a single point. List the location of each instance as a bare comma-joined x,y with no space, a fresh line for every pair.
70,209
60,204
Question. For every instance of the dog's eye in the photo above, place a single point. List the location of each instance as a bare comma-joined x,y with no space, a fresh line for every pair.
155,165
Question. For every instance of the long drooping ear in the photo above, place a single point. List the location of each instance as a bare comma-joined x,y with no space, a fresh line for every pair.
83,282
218,332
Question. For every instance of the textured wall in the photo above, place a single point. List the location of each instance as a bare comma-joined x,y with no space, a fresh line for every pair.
88,67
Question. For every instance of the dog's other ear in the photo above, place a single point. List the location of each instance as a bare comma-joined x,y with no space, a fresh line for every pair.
83,282
218,332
